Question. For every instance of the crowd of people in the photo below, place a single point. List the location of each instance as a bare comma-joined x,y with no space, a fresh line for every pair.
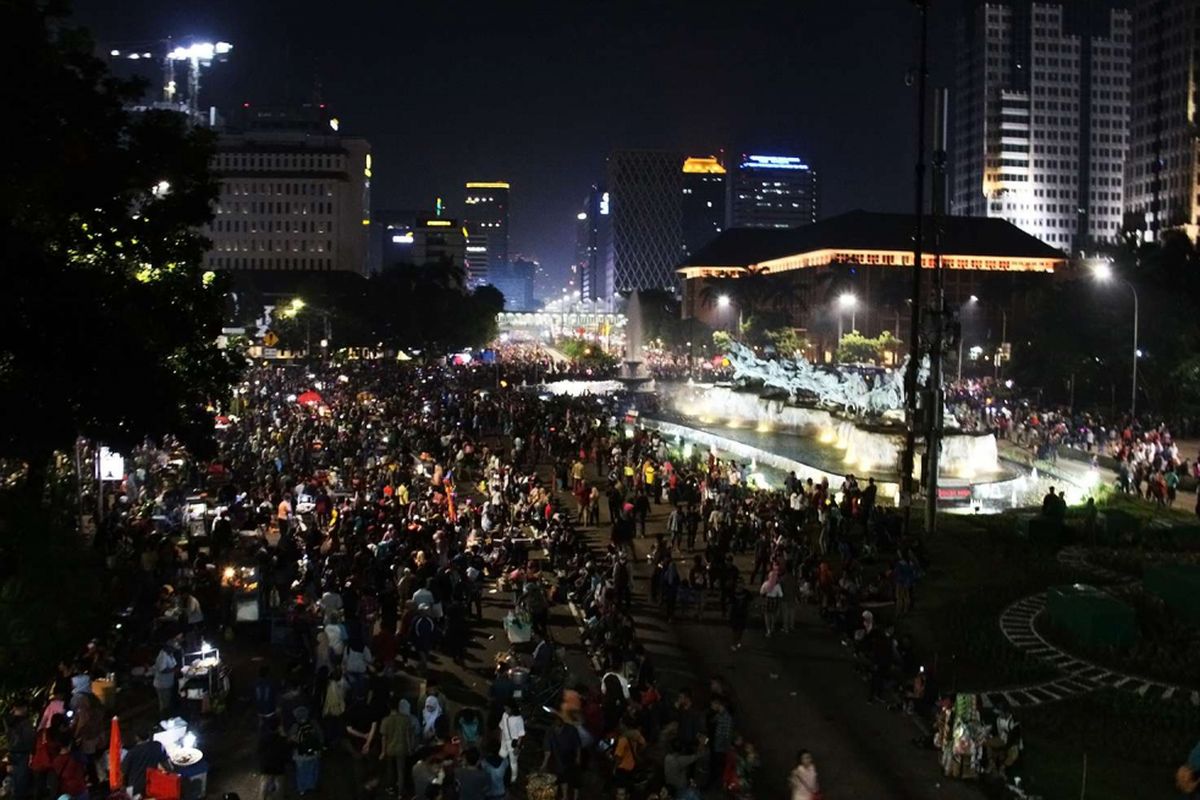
365,515
361,513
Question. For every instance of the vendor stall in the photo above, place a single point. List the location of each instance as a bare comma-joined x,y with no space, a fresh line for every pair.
204,679
242,581
187,762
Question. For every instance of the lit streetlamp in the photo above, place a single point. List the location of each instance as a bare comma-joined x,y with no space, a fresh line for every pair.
1102,271
972,300
847,302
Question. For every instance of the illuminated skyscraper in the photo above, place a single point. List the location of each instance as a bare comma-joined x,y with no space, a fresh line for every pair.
644,188
439,240
1162,172
773,192
702,202
485,214
593,237
1041,117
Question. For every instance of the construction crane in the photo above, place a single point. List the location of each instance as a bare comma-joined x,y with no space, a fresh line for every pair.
196,55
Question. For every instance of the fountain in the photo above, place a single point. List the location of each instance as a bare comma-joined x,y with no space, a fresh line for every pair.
857,417
634,375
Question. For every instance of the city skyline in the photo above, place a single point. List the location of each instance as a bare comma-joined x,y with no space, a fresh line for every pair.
549,120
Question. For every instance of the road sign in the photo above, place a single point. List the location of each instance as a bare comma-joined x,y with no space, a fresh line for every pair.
270,339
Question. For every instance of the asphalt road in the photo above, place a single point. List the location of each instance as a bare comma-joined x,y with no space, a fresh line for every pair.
791,692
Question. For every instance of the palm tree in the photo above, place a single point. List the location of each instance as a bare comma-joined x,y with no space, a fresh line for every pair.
755,289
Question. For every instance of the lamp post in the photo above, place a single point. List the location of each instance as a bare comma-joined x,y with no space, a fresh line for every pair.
1003,338
961,333
1102,271
723,307
847,302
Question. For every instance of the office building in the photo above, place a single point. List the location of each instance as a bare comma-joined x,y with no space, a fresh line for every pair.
702,202
439,240
392,237
644,187
515,282
773,192
1162,183
1041,110
593,235
294,195
485,215
870,255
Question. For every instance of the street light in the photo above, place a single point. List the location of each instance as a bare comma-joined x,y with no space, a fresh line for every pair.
1102,271
723,301
970,301
847,302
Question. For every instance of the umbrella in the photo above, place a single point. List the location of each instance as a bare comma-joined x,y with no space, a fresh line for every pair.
309,398
114,756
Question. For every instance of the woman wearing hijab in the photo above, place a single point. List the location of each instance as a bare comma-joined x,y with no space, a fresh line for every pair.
430,715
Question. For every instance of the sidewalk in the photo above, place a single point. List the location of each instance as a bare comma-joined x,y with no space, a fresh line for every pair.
1080,474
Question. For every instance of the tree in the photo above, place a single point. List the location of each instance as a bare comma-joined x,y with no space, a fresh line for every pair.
858,349
787,342
1076,342
110,317
110,322
764,300
587,354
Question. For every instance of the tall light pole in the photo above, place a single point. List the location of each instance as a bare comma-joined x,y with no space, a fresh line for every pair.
846,302
908,457
1102,271
1003,338
961,333
723,302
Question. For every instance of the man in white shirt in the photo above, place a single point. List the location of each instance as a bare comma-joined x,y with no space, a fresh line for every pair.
164,677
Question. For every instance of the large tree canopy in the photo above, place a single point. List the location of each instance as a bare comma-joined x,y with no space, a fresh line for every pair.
413,308
110,323
1078,341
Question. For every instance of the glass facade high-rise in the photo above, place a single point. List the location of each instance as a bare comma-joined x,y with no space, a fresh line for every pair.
485,215
773,192
1041,116
644,187
1162,172
702,202
593,235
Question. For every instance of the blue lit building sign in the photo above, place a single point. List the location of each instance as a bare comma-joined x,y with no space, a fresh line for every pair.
773,162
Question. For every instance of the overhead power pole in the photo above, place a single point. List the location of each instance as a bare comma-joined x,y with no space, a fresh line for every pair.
908,457
936,394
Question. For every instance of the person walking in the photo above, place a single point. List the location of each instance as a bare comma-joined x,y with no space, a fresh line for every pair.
512,731
307,743
772,597
18,729
274,752
165,666
720,730
739,613
790,584
396,733
802,780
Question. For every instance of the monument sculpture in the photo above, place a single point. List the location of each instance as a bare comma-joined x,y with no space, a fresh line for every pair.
846,389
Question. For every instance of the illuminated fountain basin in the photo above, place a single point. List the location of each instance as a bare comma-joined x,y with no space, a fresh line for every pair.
823,439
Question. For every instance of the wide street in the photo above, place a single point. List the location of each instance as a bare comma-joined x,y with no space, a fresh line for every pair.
791,693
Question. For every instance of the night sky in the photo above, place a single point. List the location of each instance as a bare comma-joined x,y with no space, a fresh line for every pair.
538,93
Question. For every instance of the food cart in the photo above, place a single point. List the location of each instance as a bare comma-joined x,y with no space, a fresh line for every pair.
204,679
242,582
